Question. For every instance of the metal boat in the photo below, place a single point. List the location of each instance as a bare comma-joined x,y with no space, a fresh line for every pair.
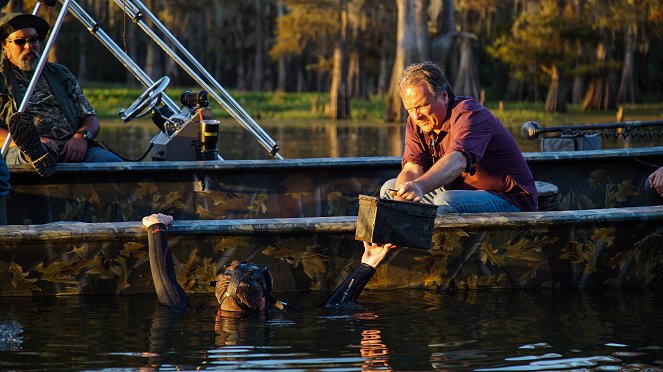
78,232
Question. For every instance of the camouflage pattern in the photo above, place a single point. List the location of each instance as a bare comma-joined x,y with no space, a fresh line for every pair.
49,117
239,210
621,247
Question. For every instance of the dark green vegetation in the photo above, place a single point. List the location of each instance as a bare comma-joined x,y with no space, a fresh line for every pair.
107,101
595,54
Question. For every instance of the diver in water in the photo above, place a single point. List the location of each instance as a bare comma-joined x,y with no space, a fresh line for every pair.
244,287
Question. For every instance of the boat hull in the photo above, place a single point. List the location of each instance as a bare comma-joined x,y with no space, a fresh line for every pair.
617,247
298,217
110,192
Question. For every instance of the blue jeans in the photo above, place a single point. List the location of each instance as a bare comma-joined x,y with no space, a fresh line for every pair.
652,197
98,154
459,201
94,154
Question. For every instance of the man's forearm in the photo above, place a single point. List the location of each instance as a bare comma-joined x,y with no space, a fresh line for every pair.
410,172
90,123
445,170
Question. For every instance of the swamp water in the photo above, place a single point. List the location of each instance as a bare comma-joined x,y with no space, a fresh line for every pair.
306,139
398,330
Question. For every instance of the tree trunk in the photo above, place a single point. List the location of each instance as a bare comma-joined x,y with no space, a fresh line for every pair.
599,95
354,76
467,79
578,89
258,71
581,50
82,74
406,52
282,62
301,76
383,74
130,48
555,100
628,89
339,100
241,61
421,29
153,57
442,43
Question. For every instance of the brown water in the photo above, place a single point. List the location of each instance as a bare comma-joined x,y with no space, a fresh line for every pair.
308,139
399,330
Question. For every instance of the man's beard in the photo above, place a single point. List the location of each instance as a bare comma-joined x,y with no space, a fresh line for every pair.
28,60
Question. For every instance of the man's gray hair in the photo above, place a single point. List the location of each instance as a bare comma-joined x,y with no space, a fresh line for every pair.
428,73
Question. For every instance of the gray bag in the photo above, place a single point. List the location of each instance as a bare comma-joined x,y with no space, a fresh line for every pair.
571,143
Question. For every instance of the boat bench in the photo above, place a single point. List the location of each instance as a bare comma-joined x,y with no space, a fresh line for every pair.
547,195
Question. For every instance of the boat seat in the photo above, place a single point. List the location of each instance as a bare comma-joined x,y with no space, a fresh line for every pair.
547,196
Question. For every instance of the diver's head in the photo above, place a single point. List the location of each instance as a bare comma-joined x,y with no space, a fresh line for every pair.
244,287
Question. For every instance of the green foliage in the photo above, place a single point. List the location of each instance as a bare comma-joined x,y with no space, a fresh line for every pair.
108,100
306,23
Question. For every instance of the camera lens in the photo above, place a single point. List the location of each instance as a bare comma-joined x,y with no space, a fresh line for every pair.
190,99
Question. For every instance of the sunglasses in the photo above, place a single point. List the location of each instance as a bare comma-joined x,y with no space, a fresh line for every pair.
32,40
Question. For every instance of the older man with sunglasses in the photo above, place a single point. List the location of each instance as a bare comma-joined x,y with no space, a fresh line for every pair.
59,124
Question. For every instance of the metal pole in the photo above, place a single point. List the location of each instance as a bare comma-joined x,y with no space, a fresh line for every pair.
532,129
40,66
137,12
143,10
94,28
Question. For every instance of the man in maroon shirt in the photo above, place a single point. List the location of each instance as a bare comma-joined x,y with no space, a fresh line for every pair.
457,155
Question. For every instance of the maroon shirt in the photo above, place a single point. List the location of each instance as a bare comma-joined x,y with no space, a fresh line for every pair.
494,161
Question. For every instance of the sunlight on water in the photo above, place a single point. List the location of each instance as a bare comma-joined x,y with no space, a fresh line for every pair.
317,139
397,330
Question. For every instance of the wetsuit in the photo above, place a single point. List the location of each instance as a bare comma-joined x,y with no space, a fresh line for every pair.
170,293
168,290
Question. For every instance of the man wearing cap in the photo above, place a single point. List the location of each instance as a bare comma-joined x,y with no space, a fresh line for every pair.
59,124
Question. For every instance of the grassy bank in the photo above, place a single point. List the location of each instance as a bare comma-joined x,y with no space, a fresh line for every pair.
107,101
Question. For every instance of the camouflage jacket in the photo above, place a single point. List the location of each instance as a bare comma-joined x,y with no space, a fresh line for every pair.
61,81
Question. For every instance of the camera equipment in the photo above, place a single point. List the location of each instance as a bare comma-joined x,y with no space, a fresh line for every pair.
190,99
160,117
190,134
207,138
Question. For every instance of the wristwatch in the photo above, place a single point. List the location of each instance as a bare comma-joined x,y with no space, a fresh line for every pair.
86,134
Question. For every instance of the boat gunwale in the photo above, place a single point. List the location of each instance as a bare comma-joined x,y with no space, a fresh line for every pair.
67,231
302,163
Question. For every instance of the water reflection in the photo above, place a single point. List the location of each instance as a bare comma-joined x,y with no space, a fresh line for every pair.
10,334
374,351
397,330
311,139
163,323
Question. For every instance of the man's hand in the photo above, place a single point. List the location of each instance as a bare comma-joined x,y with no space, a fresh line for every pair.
50,144
157,218
74,150
409,190
656,181
375,253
